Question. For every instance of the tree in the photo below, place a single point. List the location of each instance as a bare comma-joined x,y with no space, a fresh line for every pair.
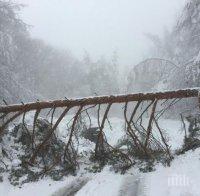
102,77
181,46
11,30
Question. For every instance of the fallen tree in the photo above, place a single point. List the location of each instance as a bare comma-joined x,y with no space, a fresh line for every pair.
142,143
186,93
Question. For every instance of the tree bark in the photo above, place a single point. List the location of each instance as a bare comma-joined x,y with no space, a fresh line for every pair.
186,93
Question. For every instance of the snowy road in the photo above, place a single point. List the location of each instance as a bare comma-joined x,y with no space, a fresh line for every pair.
107,183
128,185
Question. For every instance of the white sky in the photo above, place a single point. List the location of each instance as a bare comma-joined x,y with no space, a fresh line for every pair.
100,26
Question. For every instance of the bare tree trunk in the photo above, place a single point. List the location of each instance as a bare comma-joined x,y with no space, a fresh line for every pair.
186,93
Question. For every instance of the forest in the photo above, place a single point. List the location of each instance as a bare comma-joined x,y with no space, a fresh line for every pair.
30,67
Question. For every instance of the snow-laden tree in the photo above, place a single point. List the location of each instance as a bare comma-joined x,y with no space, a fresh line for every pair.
31,68
11,30
187,46
181,47
102,77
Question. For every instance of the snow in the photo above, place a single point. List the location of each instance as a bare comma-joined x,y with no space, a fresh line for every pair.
180,179
102,183
174,131
44,187
197,60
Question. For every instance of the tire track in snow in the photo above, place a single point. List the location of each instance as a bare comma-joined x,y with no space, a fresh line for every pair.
72,188
133,186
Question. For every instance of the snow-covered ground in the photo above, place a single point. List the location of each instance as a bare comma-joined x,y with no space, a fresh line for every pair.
182,178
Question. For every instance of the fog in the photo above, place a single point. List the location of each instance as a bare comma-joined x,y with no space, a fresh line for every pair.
101,26
73,48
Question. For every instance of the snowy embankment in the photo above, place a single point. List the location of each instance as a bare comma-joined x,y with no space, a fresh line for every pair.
181,178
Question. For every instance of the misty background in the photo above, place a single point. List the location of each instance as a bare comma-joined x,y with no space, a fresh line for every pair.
101,27
72,48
